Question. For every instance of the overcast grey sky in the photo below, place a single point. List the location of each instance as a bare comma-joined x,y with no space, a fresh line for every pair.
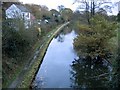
53,4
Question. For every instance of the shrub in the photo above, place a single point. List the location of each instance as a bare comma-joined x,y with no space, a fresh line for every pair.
16,39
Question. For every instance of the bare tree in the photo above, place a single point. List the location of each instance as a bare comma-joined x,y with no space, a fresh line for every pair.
92,6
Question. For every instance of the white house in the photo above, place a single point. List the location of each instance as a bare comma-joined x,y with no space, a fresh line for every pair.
20,11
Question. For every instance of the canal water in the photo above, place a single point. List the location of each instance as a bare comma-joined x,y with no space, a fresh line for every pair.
61,68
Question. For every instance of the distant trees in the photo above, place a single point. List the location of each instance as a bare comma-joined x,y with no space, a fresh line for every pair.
54,12
45,12
67,14
35,9
39,11
43,17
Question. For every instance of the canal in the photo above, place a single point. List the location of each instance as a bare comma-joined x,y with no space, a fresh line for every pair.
61,67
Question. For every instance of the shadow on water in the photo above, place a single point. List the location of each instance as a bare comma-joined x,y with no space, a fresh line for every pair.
85,73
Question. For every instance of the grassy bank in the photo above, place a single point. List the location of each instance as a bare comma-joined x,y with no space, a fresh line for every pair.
29,76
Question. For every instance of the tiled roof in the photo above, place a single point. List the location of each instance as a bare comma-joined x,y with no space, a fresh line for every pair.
22,8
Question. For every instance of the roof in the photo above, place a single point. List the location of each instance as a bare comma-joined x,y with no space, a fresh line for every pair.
22,8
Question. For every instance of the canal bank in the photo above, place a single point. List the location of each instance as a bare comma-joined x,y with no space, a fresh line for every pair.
29,76
62,68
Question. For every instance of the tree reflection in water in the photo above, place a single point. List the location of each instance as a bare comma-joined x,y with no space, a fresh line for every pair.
60,37
88,73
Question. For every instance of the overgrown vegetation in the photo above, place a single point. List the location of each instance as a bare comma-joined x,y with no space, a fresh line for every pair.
93,40
17,43
97,40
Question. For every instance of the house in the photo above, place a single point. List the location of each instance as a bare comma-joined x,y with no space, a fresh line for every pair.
21,12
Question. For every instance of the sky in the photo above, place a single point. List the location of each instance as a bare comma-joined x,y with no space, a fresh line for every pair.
53,4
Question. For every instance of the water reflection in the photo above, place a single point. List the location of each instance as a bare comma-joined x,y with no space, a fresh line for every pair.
86,74
61,38
60,70
54,70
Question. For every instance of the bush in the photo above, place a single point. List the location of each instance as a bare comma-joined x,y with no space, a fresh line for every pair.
16,39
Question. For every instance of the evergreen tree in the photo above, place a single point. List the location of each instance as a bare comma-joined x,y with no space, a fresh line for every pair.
118,17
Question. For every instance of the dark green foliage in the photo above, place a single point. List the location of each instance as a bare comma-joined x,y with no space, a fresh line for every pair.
67,14
93,40
56,20
16,44
15,38
87,74
118,17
